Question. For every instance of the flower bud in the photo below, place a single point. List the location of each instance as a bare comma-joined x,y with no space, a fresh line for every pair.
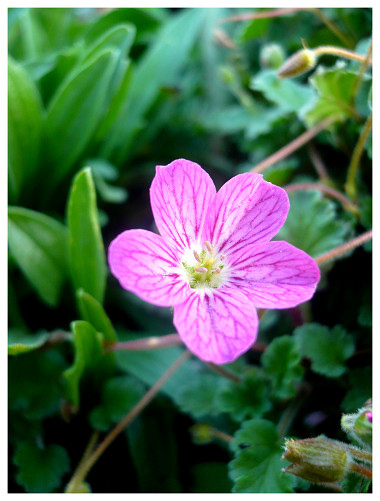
317,460
272,56
359,425
201,433
299,63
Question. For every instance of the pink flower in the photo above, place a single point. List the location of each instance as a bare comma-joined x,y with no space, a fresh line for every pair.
214,261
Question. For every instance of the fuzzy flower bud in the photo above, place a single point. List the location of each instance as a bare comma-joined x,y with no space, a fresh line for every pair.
272,56
317,460
299,63
201,433
359,425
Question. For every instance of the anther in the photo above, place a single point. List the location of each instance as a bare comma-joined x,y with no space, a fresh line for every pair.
209,246
196,255
201,269
217,271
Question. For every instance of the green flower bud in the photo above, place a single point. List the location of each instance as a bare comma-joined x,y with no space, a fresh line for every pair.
317,460
299,63
359,425
202,433
272,56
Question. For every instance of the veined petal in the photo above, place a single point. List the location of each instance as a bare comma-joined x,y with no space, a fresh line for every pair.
217,327
246,210
274,274
147,266
180,195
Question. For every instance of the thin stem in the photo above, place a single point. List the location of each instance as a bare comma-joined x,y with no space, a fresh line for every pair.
346,202
355,159
224,372
338,51
75,480
361,470
259,347
246,16
362,70
220,434
352,244
359,454
318,163
146,343
132,414
332,27
291,410
223,39
292,146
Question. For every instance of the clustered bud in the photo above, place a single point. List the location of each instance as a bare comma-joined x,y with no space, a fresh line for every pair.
299,63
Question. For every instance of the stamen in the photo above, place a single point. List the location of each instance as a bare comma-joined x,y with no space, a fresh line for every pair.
201,269
217,271
209,247
196,255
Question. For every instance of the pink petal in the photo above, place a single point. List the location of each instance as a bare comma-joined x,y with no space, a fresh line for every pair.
180,195
218,326
274,274
146,265
246,210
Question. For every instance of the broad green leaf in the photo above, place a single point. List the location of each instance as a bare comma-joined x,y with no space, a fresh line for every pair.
246,399
93,312
282,364
119,395
290,95
87,258
312,224
88,355
34,383
20,341
38,244
360,389
40,469
327,349
159,66
25,121
334,95
75,111
257,466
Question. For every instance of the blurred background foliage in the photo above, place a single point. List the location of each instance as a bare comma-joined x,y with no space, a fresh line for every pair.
97,99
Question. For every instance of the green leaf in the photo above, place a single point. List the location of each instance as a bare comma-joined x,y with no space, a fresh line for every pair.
38,244
119,395
34,383
20,341
360,389
160,66
210,477
334,95
40,469
103,172
247,398
25,120
312,224
282,364
88,354
75,111
327,349
93,312
257,467
87,258
291,96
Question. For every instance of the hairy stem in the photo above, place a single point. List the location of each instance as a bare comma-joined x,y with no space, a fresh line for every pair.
359,453
361,470
362,70
292,146
220,434
332,27
132,414
342,249
224,372
146,343
346,202
338,51
355,159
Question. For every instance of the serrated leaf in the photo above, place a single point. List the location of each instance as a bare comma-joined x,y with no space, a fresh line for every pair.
25,120
92,311
87,257
20,341
88,354
282,363
334,95
360,389
327,349
40,469
34,383
291,96
245,399
38,244
257,467
312,223
119,395
75,111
